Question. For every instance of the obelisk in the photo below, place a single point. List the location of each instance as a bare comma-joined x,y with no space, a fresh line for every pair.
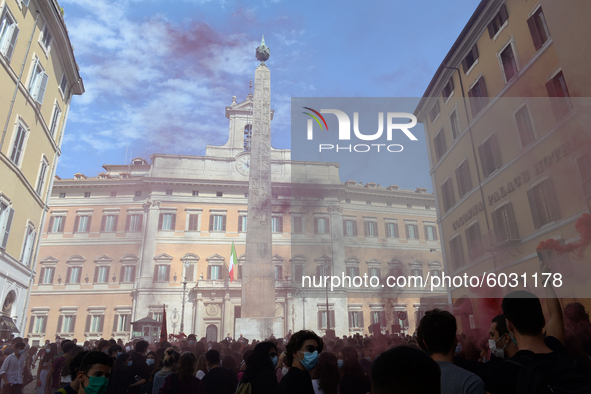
258,276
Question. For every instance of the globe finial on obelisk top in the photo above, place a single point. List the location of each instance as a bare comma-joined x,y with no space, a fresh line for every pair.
263,52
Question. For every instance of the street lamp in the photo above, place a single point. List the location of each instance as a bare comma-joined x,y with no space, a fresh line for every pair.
186,264
327,270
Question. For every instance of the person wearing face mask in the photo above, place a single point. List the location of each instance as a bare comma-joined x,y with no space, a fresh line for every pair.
326,376
12,369
501,347
121,376
541,357
44,367
353,378
260,370
93,374
139,367
302,353
114,351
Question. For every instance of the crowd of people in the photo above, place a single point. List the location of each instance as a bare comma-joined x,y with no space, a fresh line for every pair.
522,353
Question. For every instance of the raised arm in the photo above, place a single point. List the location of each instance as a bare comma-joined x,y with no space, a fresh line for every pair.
555,324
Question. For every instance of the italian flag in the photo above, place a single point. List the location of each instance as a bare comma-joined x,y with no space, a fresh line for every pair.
233,262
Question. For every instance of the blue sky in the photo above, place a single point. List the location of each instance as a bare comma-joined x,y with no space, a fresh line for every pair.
158,74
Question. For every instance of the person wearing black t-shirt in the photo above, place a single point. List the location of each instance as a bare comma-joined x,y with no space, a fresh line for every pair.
218,380
301,353
525,322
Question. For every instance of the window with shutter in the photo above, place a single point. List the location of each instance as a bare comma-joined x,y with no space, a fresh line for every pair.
440,144
457,252
434,112
454,124
18,145
430,232
470,59
447,193
490,159
474,241
42,173
463,179
504,224
478,97
524,127
538,28
217,223
27,252
509,63
543,203
297,224
8,33
560,98
277,224
298,273
190,273
193,220
498,21
168,222
55,117
448,89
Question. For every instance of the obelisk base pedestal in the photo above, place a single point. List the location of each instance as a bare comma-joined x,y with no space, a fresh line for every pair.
259,328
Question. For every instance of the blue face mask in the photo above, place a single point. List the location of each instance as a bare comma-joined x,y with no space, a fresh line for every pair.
119,354
274,360
310,360
150,361
341,363
21,352
129,363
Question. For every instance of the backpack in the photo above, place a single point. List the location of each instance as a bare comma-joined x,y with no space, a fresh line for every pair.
560,375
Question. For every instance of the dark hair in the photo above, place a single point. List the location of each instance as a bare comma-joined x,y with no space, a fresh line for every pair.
213,356
20,345
405,369
437,331
229,362
500,325
52,352
327,373
186,368
67,346
259,361
121,362
75,364
524,311
171,356
141,346
351,364
575,313
297,341
93,358
103,343
114,348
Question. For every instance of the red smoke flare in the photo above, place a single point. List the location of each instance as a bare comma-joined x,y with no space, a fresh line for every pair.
583,227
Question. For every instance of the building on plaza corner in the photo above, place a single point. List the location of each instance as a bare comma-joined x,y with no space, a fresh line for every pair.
34,106
509,154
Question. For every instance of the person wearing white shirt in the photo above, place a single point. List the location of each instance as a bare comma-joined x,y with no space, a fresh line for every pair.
11,371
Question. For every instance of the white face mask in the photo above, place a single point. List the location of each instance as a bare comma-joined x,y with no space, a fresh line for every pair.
284,370
492,344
